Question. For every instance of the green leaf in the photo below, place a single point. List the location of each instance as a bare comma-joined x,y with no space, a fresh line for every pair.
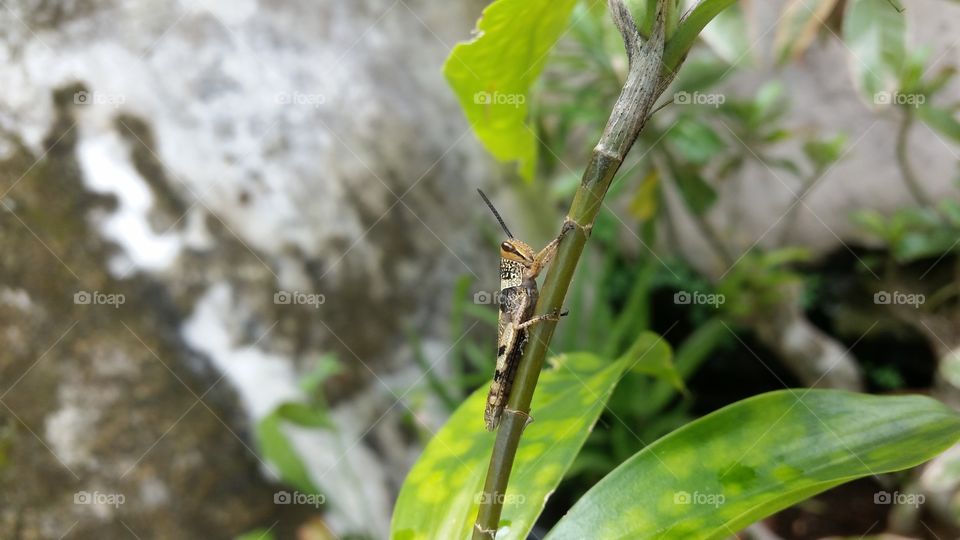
696,192
700,72
696,141
304,415
941,120
799,25
917,245
872,222
439,498
652,355
492,74
825,152
327,366
689,29
646,201
276,449
746,461
728,36
875,32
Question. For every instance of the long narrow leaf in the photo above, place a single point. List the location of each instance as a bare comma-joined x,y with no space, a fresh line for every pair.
746,461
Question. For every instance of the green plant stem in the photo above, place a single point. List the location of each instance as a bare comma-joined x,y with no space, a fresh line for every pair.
643,86
903,160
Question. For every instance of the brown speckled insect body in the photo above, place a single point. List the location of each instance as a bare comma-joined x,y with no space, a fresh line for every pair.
519,268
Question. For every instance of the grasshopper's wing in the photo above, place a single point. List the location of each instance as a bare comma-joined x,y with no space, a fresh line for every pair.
514,308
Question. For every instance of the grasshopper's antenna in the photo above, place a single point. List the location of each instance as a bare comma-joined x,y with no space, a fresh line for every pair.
495,213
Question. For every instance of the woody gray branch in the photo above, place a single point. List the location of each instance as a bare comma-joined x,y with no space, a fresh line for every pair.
645,82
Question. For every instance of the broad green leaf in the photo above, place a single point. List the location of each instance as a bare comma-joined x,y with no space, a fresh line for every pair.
689,29
874,31
746,461
277,450
492,74
799,24
440,496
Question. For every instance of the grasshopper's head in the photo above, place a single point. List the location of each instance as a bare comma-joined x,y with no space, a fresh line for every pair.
511,249
515,256
514,250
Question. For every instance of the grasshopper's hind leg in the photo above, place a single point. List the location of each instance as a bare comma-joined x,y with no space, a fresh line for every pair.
555,316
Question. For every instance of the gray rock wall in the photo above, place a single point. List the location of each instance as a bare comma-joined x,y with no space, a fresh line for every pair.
195,159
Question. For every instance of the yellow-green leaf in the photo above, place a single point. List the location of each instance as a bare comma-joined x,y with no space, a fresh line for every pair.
646,201
724,471
492,74
440,496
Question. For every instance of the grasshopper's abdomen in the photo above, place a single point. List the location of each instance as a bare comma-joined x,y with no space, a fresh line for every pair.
516,306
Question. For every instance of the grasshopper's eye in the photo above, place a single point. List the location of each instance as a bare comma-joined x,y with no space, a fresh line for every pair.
507,247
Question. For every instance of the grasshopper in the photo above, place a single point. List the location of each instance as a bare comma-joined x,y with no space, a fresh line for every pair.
519,268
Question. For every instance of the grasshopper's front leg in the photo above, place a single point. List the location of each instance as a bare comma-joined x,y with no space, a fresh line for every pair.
543,258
